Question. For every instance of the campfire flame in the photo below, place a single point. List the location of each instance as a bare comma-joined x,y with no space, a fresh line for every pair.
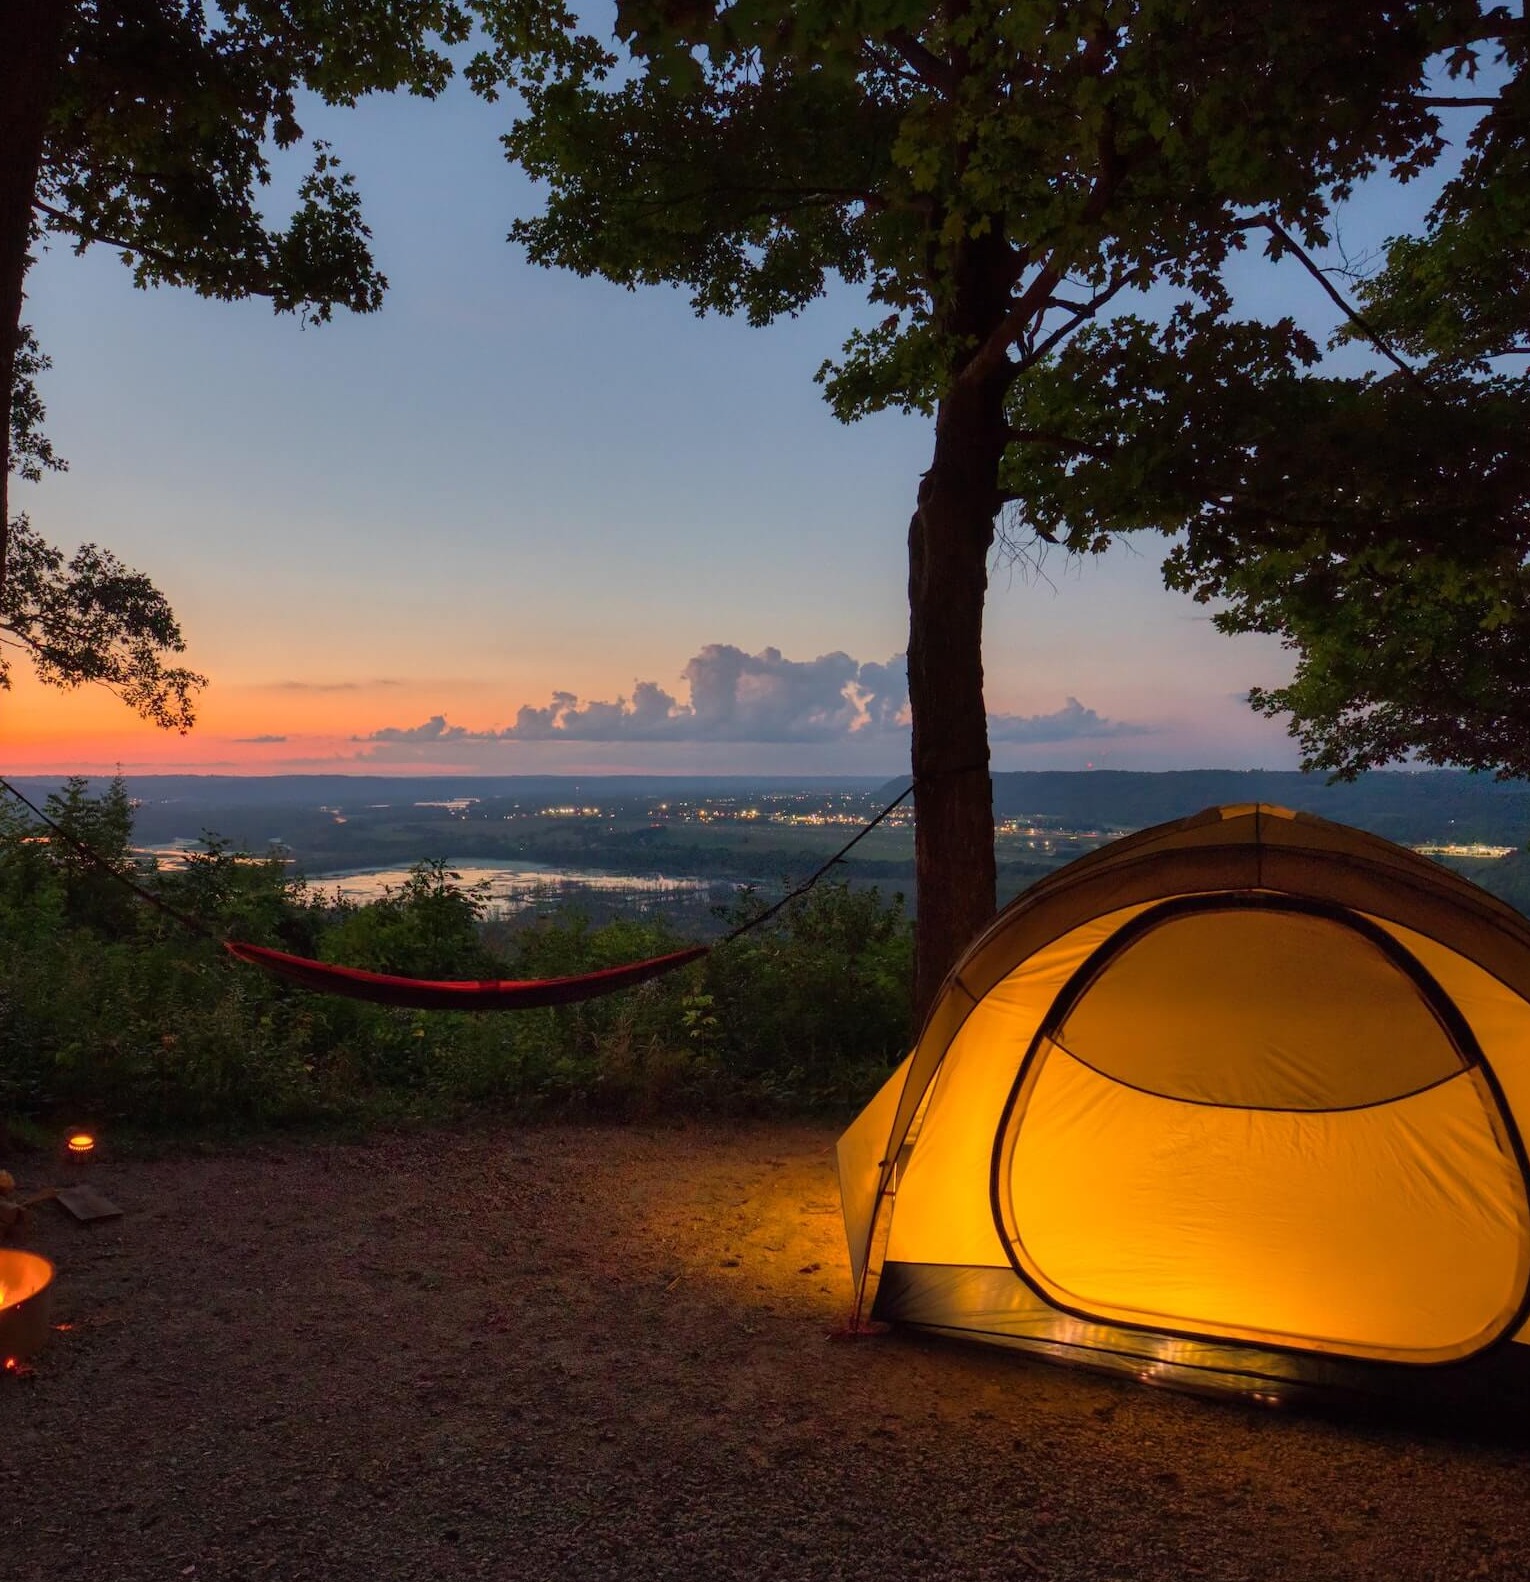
24,1282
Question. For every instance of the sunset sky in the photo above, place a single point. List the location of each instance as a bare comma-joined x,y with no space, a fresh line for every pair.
455,535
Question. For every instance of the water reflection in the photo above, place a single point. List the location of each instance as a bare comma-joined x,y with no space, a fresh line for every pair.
514,886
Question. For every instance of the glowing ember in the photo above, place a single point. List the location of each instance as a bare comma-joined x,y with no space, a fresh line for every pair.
81,1143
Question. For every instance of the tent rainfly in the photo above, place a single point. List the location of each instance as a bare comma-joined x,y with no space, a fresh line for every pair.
1235,1103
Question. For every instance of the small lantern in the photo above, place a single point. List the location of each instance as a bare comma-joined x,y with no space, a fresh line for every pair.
78,1151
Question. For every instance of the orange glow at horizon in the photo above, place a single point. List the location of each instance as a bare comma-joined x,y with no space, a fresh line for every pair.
242,728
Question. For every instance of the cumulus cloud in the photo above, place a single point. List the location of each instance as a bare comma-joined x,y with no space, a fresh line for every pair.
734,696
435,729
731,696
1072,722
883,694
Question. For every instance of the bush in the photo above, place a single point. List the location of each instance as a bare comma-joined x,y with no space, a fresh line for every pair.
111,1013
815,1005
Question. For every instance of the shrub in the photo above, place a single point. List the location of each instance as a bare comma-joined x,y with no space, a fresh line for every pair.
110,1012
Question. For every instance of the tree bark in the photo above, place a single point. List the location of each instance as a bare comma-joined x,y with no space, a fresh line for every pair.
31,57
949,540
948,543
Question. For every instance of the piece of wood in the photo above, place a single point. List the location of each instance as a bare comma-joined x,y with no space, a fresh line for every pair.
86,1204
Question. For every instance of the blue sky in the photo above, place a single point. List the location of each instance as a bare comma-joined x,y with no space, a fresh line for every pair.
514,490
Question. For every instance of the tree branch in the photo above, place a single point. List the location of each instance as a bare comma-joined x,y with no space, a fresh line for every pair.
1076,447
1496,27
897,70
167,261
1110,172
793,197
931,70
1459,104
1032,301
30,63
1286,240
1082,313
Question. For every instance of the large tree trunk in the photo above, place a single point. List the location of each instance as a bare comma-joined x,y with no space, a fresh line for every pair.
31,56
949,539
948,543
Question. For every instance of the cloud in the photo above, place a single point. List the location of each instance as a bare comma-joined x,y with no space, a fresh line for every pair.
1072,722
435,729
258,741
326,686
733,696
764,698
884,694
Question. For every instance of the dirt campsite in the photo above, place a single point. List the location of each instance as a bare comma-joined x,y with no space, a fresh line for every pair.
588,1352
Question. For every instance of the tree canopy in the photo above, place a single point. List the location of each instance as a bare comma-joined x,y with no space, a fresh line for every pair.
85,617
1378,523
151,126
998,177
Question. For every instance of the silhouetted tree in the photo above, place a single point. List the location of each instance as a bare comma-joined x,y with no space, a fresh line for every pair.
1379,524
148,126
997,174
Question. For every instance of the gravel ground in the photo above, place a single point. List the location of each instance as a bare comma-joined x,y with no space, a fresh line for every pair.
581,1353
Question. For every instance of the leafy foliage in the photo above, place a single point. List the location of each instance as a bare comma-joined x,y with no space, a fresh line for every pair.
89,618
153,127
1379,524
1456,296
785,1002
166,117
749,151
102,825
998,177
428,928
32,451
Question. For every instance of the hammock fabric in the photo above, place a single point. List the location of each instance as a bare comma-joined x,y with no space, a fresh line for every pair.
423,994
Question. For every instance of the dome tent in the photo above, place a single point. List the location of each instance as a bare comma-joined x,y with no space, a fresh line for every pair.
1234,1103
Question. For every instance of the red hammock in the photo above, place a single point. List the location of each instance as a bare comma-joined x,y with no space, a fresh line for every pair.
423,994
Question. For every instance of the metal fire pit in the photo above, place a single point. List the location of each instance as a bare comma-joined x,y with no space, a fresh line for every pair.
26,1291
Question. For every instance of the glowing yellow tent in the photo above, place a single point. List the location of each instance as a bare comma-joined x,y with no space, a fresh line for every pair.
1234,1102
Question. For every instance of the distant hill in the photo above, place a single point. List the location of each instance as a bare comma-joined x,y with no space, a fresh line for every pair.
219,791
1433,805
